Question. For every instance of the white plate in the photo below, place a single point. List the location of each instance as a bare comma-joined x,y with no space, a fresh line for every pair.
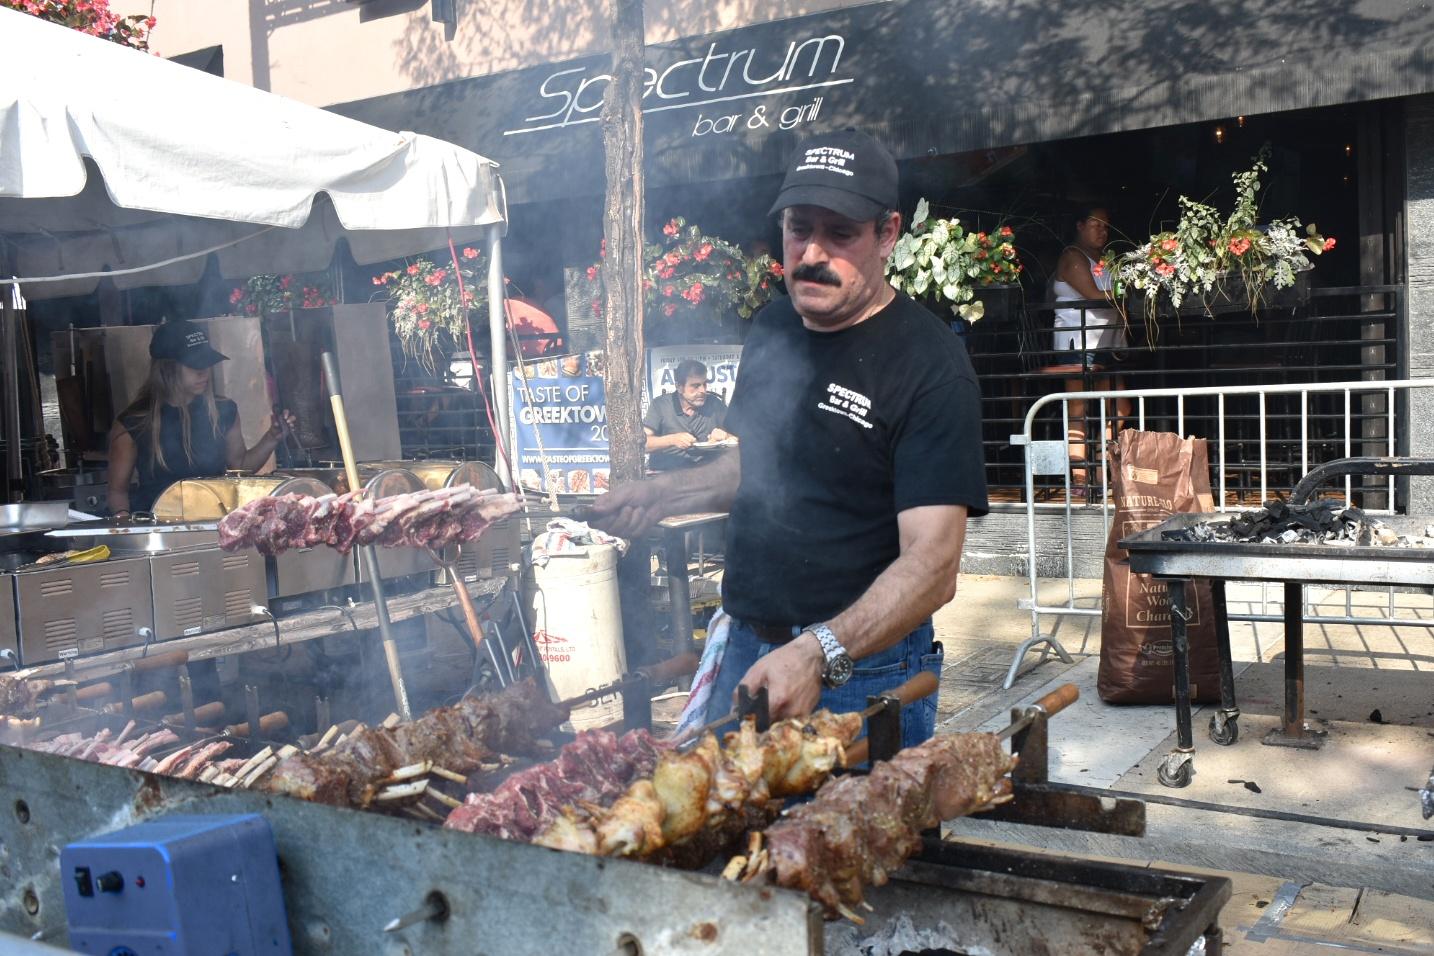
705,445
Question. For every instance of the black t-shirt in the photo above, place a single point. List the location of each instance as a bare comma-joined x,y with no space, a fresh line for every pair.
840,432
664,416
210,455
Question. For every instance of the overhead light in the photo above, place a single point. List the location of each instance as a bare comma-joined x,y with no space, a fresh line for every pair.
1240,122
1219,134
1349,149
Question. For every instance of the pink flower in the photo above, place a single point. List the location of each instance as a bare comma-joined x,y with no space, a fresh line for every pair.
379,280
703,251
776,269
1006,231
413,269
149,23
670,229
1329,244
667,290
421,308
469,252
1169,245
592,272
669,309
424,325
236,296
1165,269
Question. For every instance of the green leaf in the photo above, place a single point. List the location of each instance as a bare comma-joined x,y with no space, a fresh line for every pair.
951,291
921,212
973,312
938,269
1315,246
921,282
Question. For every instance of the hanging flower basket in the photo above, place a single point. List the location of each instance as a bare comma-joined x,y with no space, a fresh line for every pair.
428,311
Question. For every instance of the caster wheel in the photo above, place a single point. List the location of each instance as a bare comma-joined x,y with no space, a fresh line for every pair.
1224,731
1177,775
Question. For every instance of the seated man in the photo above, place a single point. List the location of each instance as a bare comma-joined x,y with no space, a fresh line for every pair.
676,421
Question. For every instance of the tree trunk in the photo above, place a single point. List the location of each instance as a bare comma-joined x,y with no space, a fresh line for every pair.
622,306
622,229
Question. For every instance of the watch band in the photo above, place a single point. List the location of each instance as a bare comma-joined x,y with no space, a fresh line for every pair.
831,647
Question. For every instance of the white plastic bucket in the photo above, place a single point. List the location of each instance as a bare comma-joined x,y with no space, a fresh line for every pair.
577,626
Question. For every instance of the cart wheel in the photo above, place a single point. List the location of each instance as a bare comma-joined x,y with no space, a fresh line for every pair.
1176,770
1224,731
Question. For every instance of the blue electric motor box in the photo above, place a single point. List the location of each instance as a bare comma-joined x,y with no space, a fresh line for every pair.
175,886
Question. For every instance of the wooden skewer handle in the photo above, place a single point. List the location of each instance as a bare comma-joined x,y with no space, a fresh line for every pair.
205,715
665,671
1059,699
94,692
160,661
922,685
268,724
154,700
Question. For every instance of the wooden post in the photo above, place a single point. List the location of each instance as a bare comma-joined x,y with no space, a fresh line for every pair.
622,303
622,231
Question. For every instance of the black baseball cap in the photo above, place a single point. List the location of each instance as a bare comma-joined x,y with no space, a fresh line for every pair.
845,171
186,343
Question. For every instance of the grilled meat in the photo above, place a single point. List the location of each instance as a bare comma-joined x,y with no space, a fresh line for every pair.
858,829
594,769
422,519
695,802
19,696
459,738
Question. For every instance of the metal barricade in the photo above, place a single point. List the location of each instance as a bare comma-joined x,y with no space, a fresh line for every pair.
1325,416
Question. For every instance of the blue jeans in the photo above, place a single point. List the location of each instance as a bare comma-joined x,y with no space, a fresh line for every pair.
879,672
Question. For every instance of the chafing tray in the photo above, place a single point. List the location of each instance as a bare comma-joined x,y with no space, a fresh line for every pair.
82,608
1152,553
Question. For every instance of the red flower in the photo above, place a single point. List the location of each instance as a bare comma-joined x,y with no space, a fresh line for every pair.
285,282
592,272
421,308
413,269
669,309
236,296
379,280
149,23
665,272
670,229
703,251
1329,244
667,290
424,325
469,252
981,254
1006,231
980,237
776,269
1165,269
1239,246
1097,269
1008,251
1169,245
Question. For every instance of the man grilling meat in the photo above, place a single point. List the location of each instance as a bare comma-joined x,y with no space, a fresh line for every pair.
679,420
859,464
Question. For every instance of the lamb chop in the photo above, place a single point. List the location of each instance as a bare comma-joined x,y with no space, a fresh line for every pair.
423,519
19,696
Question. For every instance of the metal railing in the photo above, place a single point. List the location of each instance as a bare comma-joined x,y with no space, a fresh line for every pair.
1311,408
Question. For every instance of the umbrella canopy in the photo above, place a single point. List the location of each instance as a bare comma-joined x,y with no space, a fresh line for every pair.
112,160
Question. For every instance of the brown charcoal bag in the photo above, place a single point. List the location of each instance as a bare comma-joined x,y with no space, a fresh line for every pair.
1154,475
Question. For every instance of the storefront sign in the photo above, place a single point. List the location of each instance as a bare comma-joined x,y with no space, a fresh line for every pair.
560,420
721,361
719,85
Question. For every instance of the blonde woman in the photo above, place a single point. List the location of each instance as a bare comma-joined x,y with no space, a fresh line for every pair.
177,428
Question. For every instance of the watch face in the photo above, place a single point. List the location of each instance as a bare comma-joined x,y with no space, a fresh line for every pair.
839,670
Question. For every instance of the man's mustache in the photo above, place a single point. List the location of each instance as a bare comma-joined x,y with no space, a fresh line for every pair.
820,273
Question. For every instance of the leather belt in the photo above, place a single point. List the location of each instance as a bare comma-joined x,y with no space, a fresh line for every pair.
773,633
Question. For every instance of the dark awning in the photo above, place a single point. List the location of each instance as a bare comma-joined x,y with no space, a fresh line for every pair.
930,78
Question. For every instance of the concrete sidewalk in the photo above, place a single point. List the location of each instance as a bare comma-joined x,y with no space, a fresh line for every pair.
1345,816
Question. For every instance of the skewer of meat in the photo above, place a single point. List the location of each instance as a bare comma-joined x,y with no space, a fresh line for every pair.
460,738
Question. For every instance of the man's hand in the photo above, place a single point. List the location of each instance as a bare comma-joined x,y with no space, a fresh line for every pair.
719,434
792,675
629,509
681,440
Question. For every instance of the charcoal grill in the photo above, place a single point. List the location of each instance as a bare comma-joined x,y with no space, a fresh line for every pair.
348,875
1177,562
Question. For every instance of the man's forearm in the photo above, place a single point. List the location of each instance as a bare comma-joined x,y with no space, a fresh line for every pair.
908,592
709,487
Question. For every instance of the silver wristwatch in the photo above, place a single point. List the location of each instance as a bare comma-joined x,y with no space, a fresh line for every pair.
839,665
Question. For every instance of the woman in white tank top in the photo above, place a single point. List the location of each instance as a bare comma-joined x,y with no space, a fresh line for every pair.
1088,330
1077,279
